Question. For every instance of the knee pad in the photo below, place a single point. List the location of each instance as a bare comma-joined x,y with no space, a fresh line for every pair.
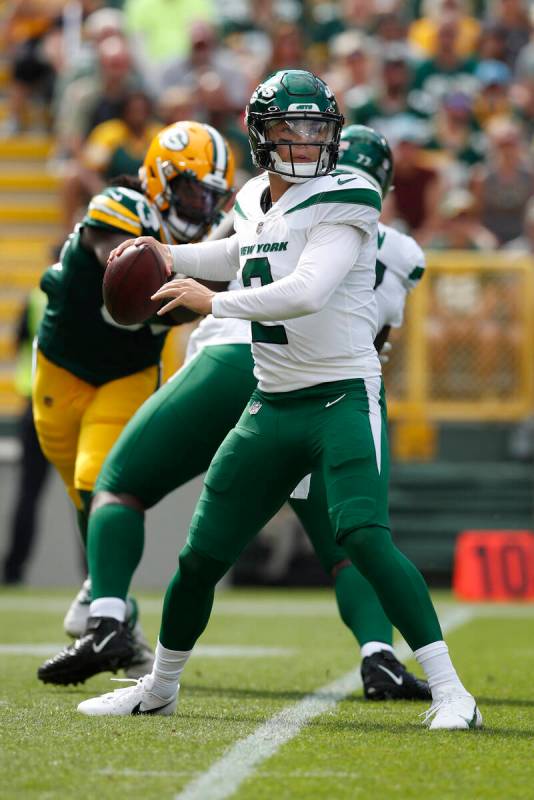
199,570
374,536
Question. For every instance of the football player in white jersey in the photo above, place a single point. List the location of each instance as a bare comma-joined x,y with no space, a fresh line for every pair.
305,250
145,464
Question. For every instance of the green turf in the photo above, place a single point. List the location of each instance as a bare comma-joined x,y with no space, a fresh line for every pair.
359,749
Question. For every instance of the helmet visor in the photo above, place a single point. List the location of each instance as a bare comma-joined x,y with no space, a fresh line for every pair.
303,130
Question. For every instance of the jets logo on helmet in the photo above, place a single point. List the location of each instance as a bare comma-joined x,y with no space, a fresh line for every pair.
297,135
364,150
188,173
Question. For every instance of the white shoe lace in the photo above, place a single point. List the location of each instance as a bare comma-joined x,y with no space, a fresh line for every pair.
139,683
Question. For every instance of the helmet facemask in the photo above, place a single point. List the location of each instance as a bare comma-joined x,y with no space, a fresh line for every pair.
296,145
193,205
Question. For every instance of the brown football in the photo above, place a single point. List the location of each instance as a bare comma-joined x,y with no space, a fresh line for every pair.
129,282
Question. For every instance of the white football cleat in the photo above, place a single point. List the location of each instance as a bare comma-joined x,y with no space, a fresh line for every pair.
75,621
454,711
137,699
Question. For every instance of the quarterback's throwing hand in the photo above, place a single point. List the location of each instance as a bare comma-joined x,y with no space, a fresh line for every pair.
162,249
185,292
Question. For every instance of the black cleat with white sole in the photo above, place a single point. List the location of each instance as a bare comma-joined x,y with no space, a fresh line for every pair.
107,644
385,678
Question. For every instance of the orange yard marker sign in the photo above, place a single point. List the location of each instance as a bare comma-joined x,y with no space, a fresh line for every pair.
494,565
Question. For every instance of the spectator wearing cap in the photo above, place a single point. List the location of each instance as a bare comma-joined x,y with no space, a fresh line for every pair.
423,34
414,202
376,105
505,183
524,243
493,98
446,70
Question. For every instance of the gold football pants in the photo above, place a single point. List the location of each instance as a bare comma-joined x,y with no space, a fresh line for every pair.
77,423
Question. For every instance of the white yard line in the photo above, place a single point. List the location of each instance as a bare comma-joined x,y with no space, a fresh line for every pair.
227,774
202,651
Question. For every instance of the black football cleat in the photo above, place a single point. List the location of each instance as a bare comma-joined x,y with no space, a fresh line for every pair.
385,678
107,645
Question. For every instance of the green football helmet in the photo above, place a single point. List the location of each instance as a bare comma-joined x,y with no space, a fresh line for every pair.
362,149
293,109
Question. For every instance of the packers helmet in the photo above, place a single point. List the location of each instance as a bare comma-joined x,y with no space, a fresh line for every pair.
364,150
188,173
290,110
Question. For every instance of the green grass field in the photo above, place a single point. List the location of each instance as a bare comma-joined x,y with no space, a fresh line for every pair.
264,654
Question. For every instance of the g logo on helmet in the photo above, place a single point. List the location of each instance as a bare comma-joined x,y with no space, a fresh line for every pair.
175,140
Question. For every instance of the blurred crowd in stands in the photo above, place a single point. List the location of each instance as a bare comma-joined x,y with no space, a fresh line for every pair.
449,82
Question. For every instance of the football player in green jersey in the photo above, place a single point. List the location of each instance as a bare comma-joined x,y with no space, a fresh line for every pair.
92,373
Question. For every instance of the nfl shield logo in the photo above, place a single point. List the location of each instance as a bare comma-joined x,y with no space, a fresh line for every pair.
259,228
254,407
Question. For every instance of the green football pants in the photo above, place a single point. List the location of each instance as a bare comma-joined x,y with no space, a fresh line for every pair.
173,438
335,430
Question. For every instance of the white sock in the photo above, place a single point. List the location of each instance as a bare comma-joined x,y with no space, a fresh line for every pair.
370,648
108,607
168,666
437,665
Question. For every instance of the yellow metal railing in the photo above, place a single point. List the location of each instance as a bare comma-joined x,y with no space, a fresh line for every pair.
466,349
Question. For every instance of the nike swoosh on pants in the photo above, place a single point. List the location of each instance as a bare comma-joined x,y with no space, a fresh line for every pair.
333,402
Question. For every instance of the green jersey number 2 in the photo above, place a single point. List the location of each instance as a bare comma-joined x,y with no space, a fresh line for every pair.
260,269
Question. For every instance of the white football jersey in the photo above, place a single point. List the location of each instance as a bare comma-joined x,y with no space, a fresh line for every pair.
400,265
336,342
